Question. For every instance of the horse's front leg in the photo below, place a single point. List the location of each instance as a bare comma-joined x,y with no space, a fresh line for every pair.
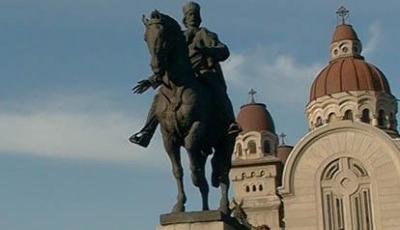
173,151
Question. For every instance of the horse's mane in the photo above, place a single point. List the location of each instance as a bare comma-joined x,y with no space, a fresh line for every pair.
166,20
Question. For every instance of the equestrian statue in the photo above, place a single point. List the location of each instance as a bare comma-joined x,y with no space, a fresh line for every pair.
191,105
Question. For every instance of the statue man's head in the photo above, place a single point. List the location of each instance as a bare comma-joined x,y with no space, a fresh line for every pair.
191,11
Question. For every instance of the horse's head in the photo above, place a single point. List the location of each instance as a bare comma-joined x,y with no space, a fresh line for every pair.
161,35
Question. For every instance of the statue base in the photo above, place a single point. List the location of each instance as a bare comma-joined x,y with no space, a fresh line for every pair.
209,220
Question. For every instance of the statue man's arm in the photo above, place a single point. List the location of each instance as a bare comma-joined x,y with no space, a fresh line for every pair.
213,47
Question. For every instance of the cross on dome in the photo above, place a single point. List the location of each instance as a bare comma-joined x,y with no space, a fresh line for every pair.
282,136
252,92
343,13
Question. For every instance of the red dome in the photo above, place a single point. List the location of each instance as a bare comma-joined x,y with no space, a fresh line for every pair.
344,32
348,74
255,117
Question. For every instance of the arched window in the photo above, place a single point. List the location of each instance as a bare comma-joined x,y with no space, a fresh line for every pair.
239,149
252,147
381,118
254,188
260,187
267,146
348,115
346,196
318,122
247,188
365,116
331,117
392,121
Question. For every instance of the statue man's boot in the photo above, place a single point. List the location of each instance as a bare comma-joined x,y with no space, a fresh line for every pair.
143,137
234,129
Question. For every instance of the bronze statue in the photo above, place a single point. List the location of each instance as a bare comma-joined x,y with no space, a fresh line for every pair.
186,105
205,53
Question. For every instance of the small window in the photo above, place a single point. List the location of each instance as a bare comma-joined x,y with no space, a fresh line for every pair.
267,147
392,121
260,187
365,116
247,188
381,117
331,117
239,149
318,122
254,188
348,115
252,147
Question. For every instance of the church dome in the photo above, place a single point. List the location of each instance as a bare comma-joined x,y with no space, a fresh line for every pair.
349,88
255,117
348,74
347,70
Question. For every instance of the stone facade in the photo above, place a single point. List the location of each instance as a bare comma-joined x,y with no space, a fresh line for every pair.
345,172
377,154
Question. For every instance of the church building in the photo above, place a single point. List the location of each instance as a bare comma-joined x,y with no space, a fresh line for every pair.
345,172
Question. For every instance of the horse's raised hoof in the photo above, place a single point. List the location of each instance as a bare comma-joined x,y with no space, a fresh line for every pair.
141,138
178,208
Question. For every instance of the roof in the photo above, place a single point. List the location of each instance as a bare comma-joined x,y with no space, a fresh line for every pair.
255,117
348,74
344,32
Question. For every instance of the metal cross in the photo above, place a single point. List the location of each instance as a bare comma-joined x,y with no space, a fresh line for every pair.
343,13
252,92
282,136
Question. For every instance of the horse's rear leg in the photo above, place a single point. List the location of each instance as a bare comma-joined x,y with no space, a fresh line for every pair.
199,178
197,162
221,164
173,151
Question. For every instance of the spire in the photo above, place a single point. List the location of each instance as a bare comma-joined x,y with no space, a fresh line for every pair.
343,14
252,92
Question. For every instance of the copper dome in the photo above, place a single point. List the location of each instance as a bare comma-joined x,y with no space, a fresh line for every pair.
255,117
344,32
348,74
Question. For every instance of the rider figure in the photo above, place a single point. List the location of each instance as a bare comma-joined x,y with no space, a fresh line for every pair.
205,53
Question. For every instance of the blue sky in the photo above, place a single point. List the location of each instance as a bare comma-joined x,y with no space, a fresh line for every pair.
66,109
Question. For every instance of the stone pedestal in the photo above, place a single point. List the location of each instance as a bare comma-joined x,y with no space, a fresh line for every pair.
205,220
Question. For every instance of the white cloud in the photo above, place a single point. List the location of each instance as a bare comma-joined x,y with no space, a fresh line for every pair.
374,34
62,128
278,78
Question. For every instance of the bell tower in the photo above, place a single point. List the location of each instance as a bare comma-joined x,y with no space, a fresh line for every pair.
256,168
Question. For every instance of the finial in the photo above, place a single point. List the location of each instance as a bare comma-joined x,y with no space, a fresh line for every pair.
282,136
252,92
343,13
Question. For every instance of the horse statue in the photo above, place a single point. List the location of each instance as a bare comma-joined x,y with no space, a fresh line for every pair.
187,113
